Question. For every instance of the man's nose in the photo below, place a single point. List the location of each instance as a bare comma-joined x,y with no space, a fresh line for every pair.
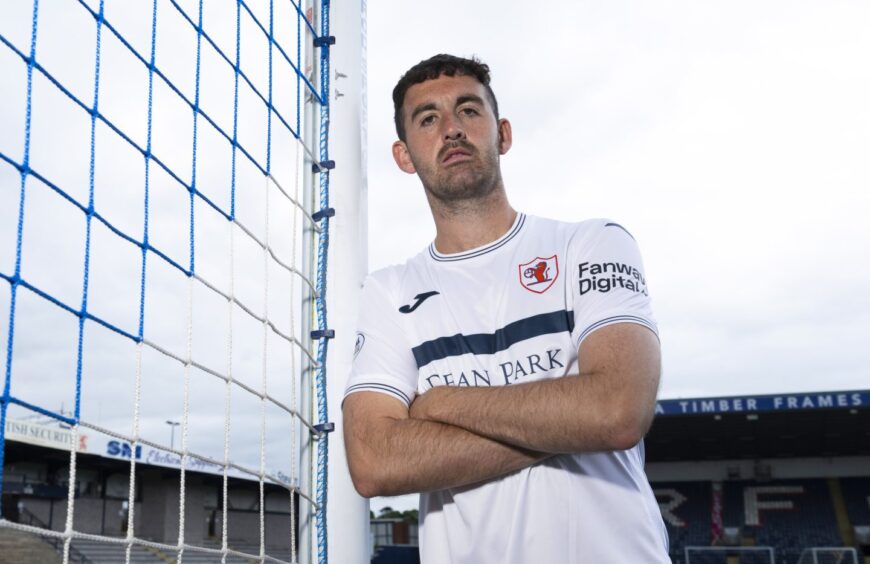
453,130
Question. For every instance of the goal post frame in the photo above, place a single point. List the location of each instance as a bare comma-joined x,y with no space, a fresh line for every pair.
348,512
842,550
767,549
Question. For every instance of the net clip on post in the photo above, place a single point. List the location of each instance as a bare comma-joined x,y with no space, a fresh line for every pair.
322,165
325,212
324,40
323,334
323,429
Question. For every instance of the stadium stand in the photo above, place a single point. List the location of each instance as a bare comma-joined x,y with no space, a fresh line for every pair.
396,555
857,494
683,504
806,518
794,471
791,478
789,515
34,494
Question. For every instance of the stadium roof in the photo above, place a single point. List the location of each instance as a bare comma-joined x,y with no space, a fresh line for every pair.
819,424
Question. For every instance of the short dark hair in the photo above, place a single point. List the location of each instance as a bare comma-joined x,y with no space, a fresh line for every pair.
432,68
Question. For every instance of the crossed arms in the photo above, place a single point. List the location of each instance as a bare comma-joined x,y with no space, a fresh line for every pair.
451,436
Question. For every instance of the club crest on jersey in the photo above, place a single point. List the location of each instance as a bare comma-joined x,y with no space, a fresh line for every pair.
360,341
539,274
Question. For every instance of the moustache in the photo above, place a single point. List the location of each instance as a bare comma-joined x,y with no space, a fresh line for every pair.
456,145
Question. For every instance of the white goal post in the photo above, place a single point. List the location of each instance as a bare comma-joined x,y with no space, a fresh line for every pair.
348,513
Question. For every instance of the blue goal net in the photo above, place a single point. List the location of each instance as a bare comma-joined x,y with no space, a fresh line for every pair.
164,224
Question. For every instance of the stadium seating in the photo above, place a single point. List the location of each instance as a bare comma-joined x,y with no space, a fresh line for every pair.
788,515
396,555
686,520
810,521
856,492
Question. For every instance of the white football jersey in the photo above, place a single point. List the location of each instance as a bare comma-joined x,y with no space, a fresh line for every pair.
513,311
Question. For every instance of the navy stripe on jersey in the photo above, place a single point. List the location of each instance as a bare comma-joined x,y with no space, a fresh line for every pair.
491,343
618,319
380,387
611,224
488,249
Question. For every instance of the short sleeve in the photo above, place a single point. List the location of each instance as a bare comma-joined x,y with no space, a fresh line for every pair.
383,361
608,279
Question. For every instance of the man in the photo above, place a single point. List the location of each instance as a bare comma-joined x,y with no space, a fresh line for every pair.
509,371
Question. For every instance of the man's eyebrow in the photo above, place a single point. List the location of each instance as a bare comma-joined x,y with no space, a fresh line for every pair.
422,108
464,99
469,98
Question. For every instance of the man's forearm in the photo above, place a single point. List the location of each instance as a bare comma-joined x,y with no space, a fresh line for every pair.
606,408
394,456
426,455
540,415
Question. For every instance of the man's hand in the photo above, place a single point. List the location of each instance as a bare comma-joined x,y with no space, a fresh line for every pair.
608,406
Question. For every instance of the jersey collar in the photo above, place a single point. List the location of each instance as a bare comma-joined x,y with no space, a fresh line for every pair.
497,244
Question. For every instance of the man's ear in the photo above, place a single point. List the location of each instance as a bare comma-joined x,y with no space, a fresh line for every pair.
403,157
505,136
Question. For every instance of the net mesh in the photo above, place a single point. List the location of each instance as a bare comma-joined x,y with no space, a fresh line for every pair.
165,271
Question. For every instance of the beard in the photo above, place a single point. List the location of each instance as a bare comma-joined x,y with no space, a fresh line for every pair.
473,179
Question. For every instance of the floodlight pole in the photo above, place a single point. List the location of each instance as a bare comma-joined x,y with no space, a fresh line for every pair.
172,426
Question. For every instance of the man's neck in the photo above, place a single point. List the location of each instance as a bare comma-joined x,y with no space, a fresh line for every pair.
471,223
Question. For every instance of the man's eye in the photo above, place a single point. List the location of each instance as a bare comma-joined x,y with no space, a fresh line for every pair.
470,111
428,120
